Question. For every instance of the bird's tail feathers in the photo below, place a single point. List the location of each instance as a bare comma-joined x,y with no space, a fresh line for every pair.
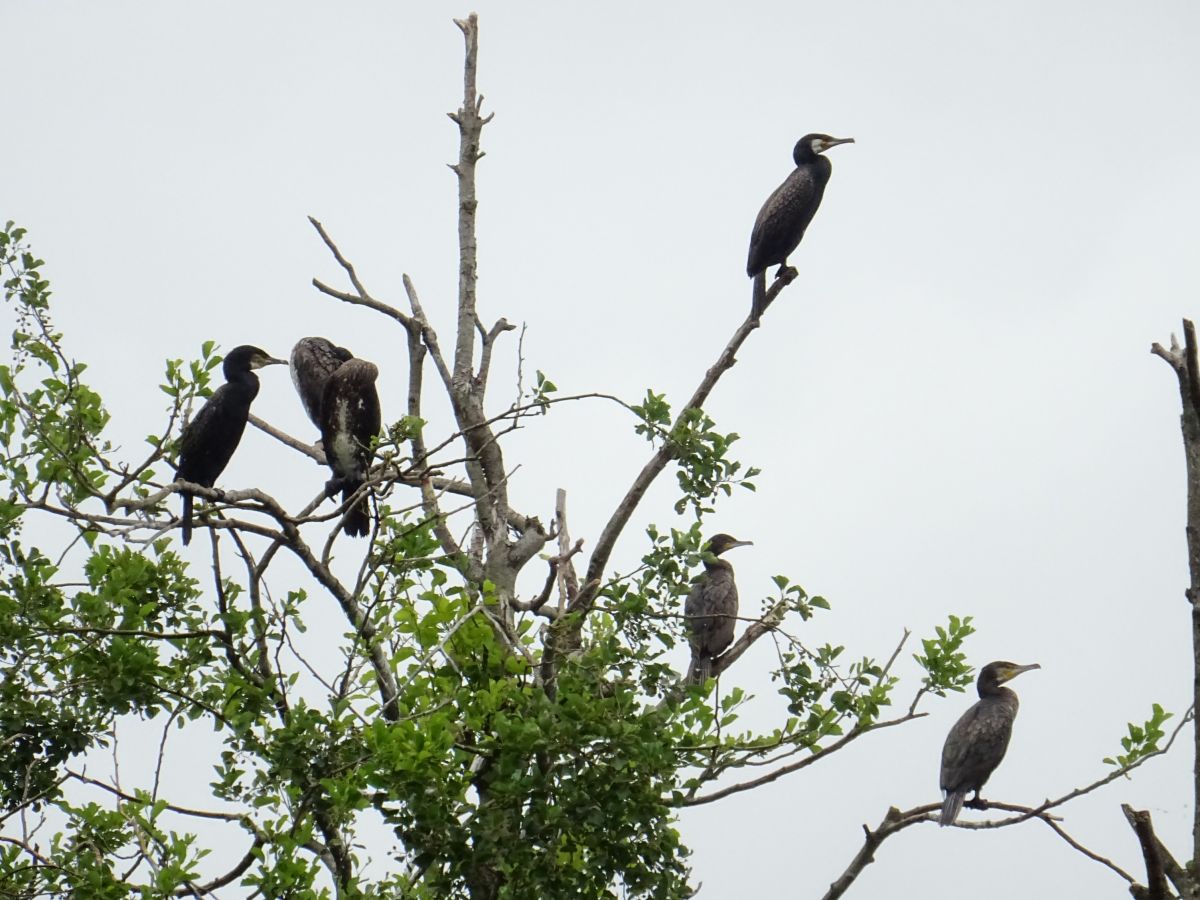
700,670
187,519
759,302
952,807
358,517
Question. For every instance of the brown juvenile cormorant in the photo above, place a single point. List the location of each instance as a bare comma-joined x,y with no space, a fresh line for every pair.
313,360
978,740
710,611
350,421
784,217
208,442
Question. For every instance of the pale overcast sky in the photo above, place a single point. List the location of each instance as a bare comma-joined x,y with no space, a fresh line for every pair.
954,405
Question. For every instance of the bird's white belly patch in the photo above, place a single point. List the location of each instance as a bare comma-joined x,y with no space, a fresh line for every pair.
344,446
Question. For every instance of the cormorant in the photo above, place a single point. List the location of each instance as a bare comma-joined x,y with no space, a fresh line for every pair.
784,217
313,360
978,740
208,441
350,420
710,611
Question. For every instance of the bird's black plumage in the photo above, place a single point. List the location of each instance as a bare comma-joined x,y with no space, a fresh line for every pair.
783,219
350,421
710,611
978,741
208,441
312,361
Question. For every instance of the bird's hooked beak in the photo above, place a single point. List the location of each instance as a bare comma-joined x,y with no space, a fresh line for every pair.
833,142
722,544
260,361
1010,674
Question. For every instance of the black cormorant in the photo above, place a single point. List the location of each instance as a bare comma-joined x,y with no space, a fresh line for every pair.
208,441
978,740
781,221
313,360
350,421
710,611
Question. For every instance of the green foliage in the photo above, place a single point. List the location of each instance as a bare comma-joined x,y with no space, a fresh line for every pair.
943,660
705,470
493,783
1142,740
50,420
542,389
645,606
655,416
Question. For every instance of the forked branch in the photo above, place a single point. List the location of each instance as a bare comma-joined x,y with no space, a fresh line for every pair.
598,562
895,821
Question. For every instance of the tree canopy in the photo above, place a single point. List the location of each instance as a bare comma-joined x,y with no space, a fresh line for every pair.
501,704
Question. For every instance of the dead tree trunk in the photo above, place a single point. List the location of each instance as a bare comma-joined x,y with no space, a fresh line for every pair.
1187,370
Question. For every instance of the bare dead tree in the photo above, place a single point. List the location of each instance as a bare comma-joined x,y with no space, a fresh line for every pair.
1184,362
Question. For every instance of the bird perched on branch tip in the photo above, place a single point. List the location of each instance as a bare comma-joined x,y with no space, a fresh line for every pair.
782,221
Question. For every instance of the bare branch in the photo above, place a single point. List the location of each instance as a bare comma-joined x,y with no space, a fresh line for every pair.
1143,827
428,335
470,127
229,877
1173,356
893,821
568,581
485,463
362,297
308,450
769,620
625,509
487,339
536,605
1090,854
1187,372
1193,364
1116,773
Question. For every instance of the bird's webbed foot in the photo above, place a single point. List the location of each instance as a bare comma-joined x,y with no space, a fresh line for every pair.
787,274
333,485
220,498
976,802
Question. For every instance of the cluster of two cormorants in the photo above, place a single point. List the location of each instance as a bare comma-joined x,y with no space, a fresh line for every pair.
339,396
973,749
711,607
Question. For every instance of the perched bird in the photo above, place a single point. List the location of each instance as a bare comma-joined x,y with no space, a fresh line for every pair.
784,217
208,441
313,360
978,740
710,611
350,420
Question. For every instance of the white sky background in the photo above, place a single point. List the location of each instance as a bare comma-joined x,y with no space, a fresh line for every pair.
954,404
